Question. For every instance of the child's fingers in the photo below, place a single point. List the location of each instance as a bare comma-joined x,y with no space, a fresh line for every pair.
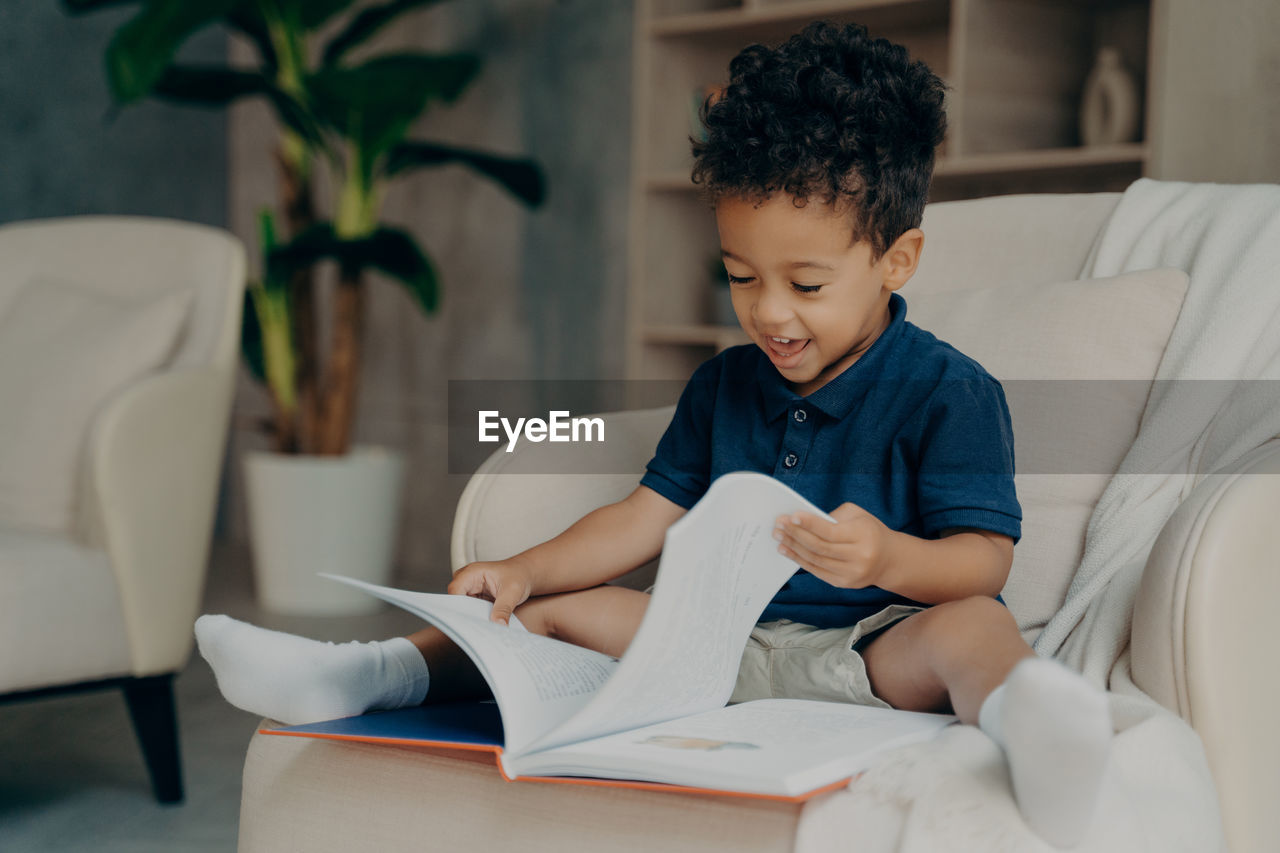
466,583
805,558
789,533
811,564
507,598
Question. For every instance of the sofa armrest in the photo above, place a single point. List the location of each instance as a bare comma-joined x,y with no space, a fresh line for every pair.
1200,645
517,500
148,491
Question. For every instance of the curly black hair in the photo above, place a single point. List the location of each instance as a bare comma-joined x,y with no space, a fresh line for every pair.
834,115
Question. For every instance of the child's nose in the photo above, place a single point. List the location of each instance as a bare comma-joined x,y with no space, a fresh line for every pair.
773,307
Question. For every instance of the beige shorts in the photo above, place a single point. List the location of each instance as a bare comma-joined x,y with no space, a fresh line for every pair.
792,660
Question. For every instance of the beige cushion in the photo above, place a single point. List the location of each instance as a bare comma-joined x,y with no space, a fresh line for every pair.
1077,360
64,350
962,237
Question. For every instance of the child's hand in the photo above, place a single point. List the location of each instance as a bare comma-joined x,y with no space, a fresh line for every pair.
506,583
851,553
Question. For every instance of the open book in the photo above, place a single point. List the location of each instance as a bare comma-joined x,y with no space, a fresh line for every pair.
658,715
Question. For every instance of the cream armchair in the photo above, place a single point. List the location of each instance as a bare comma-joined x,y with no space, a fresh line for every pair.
1198,642
119,337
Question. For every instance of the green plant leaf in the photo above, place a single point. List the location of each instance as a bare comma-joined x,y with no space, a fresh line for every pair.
365,24
295,116
212,86
251,338
312,245
521,177
144,46
207,84
397,254
390,250
247,18
373,104
267,243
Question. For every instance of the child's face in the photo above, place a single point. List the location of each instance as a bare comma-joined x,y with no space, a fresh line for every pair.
808,296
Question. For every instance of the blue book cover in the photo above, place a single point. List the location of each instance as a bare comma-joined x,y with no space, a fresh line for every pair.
464,725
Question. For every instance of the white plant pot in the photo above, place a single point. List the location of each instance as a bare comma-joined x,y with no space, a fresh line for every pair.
312,514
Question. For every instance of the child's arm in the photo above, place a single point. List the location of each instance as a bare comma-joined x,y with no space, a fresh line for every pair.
604,544
859,550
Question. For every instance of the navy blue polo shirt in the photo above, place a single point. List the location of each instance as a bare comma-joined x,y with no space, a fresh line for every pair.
914,432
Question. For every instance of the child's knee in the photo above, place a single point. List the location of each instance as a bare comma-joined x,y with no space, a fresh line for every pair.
951,624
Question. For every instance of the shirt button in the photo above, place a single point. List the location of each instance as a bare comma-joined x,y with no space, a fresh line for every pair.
800,415
790,460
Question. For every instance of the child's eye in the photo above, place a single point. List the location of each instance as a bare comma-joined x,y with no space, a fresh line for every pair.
738,279
806,288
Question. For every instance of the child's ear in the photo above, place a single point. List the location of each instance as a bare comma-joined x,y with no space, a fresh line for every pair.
900,261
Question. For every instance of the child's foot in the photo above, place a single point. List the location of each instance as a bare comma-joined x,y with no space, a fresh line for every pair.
1056,732
296,680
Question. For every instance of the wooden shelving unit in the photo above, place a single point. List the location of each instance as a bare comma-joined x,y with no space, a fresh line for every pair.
1015,71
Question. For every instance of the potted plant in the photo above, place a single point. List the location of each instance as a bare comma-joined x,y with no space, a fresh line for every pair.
315,501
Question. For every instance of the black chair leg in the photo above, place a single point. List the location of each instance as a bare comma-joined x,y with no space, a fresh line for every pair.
155,721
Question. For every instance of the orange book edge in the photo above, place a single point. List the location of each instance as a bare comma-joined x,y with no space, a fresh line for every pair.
496,752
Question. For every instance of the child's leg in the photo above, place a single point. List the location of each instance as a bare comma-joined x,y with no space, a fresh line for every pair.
1054,726
603,618
296,680
947,658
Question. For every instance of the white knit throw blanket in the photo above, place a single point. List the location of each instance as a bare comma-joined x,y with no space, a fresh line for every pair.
953,793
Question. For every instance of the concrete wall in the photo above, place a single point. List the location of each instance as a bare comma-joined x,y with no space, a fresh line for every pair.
526,294
58,154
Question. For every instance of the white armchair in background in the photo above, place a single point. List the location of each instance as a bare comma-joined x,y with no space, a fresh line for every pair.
119,338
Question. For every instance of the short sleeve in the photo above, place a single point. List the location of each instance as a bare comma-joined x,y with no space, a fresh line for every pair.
680,469
966,464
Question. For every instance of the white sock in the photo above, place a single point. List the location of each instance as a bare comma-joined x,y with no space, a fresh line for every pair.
1055,728
296,680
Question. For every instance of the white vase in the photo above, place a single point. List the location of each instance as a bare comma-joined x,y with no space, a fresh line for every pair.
1110,106
312,514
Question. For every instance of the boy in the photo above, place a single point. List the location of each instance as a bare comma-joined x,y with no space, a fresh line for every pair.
817,160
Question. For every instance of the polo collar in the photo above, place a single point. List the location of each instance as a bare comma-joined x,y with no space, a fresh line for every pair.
837,398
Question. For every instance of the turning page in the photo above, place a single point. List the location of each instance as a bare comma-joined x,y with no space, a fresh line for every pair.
719,568
537,682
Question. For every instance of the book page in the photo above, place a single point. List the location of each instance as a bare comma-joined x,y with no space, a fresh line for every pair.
719,568
536,681
769,746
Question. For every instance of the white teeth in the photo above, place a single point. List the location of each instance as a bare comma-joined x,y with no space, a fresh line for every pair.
783,340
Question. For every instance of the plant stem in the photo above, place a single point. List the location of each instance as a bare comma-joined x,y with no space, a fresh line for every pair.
357,216
358,202
294,159
299,211
344,365
273,319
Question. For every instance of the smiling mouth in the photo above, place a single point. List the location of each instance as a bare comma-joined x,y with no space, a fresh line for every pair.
785,348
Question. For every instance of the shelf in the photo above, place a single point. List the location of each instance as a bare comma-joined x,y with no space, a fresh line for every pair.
1014,71
1044,160
762,22
1022,163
